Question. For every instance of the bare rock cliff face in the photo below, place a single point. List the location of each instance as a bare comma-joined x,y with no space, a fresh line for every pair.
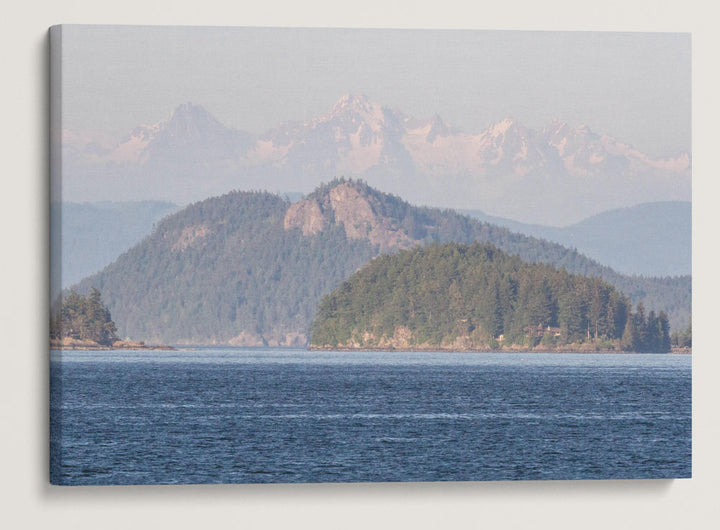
345,204
307,216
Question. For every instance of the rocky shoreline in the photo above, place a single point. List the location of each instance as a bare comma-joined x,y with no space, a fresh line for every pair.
566,349
76,344
68,343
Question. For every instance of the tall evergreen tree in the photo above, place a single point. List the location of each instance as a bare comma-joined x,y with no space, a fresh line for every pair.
664,325
653,337
641,326
630,340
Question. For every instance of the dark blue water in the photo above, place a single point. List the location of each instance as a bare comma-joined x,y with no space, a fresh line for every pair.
238,416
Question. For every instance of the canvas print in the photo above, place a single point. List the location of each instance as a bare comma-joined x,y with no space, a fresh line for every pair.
368,255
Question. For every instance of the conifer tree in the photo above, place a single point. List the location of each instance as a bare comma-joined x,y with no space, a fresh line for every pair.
631,338
664,325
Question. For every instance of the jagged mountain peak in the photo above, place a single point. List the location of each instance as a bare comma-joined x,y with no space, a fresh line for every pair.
352,101
189,108
193,119
508,126
185,118
190,135
362,138
356,109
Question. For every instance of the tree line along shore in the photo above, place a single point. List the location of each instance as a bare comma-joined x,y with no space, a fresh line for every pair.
85,323
449,297
457,297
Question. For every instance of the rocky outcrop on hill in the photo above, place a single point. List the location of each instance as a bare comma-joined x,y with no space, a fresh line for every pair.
249,268
347,205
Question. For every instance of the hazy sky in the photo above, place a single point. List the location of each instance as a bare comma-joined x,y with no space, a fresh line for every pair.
635,86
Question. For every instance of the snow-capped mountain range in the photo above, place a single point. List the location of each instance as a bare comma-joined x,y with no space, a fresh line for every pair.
554,175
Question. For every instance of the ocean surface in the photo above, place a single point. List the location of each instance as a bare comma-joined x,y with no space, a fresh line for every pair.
224,415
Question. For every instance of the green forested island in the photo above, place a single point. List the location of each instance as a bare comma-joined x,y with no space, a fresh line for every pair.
250,268
460,297
83,318
84,322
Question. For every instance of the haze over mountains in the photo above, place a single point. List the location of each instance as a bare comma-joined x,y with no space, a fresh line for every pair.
249,268
88,236
651,239
554,175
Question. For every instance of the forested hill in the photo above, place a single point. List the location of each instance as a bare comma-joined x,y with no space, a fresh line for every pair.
225,271
460,297
249,268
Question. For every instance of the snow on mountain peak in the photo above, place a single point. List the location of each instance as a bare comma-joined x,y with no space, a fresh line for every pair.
357,105
361,137
352,101
352,110
501,128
